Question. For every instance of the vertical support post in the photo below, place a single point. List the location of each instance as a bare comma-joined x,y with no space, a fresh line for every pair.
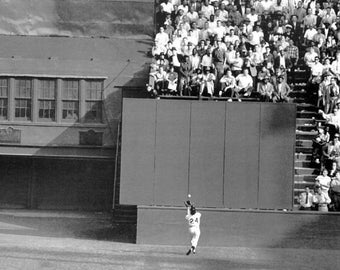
116,165
11,102
59,105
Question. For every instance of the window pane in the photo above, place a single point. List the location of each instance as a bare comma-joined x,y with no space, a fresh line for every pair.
71,89
3,108
93,111
94,90
23,108
23,88
71,110
47,89
3,87
47,109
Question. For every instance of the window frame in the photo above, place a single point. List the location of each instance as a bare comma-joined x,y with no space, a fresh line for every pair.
43,99
97,100
24,98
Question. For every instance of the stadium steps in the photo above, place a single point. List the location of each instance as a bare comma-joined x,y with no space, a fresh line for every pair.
307,121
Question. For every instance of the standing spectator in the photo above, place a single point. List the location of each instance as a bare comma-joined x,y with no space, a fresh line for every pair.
335,191
309,35
324,93
323,181
219,61
335,68
334,94
185,72
282,60
207,59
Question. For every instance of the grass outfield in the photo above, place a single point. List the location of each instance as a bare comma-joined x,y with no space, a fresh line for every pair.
34,252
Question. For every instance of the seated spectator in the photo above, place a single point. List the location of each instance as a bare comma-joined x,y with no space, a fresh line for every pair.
265,90
335,191
228,84
244,83
172,78
306,200
321,199
161,83
282,90
207,82
319,142
331,152
332,120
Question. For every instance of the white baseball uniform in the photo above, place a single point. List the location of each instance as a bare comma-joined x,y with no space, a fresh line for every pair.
194,227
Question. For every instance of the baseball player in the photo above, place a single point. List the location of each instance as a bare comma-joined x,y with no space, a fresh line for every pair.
194,219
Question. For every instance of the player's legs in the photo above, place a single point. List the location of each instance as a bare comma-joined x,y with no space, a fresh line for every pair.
195,237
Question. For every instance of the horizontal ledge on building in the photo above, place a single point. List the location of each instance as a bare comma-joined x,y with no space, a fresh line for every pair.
53,76
72,152
53,124
217,209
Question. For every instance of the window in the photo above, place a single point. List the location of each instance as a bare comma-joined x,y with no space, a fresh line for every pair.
94,89
47,90
3,98
70,99
23,99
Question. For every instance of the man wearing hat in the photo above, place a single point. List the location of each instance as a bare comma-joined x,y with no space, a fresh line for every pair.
201,20
282,90
265,89
219,61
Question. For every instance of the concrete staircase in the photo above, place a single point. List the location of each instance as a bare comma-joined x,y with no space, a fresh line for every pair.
307,120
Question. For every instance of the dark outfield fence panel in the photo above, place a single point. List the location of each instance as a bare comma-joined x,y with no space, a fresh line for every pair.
242,155
172,152
221,227
206,153
138,152
224,154
276,147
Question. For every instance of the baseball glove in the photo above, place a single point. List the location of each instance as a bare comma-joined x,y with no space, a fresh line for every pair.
187,203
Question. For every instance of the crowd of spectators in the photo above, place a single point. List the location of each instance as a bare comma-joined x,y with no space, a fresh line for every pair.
244,48
253,49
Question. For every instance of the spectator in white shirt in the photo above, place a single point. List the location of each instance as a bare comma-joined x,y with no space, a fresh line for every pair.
309,34
167,6
244,83
162,38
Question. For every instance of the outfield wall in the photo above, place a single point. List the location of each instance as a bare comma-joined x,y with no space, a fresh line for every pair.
236,228
233,155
